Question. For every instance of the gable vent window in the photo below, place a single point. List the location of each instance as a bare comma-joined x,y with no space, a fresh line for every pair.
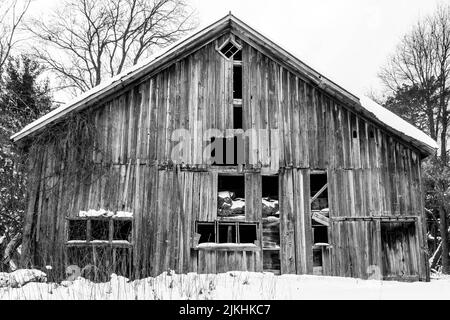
229,48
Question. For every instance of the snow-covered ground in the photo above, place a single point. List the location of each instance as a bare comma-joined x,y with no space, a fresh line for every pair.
230,286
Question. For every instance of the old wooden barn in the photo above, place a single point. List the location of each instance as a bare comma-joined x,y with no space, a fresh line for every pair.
225,152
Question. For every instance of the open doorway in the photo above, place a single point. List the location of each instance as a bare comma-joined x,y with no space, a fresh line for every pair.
320,222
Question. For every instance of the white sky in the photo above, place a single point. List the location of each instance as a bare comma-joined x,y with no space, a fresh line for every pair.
346,40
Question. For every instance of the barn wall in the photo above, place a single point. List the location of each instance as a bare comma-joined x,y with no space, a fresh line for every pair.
370,172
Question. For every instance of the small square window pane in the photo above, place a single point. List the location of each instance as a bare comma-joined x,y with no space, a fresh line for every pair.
77,230
122,230
247,233
100,230
227,233
206,232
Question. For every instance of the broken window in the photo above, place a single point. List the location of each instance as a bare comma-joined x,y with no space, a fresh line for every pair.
271,224
231,196
319,194
319,219
227,232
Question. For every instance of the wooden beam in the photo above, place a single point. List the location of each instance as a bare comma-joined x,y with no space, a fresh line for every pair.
319,193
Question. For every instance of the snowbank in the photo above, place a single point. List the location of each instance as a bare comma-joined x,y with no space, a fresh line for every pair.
20,278
230,286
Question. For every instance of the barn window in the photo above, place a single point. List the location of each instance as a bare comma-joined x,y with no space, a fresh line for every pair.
99,230
100,246
319,220
229,48
223,232
231,196
355,134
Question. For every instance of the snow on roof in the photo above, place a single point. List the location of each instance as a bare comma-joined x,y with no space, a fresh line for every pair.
397,123
393,121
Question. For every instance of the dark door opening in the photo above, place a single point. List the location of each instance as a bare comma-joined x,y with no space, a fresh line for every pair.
271,224
320,222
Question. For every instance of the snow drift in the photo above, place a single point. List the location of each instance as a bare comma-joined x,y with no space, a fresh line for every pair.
229,286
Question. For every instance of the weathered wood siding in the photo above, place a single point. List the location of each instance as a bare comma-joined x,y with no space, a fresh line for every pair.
371,173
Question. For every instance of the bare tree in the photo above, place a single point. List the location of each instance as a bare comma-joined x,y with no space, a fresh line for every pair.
85,41
414,65
440,36
12,13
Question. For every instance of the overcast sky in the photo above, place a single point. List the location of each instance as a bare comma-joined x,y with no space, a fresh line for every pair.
345,40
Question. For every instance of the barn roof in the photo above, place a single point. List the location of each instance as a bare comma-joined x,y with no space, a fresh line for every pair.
157,62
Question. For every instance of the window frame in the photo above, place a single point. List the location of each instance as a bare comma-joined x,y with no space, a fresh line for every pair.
89,241
236,224
227,41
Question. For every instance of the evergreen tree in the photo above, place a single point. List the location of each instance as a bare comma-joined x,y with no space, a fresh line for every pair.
23,98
